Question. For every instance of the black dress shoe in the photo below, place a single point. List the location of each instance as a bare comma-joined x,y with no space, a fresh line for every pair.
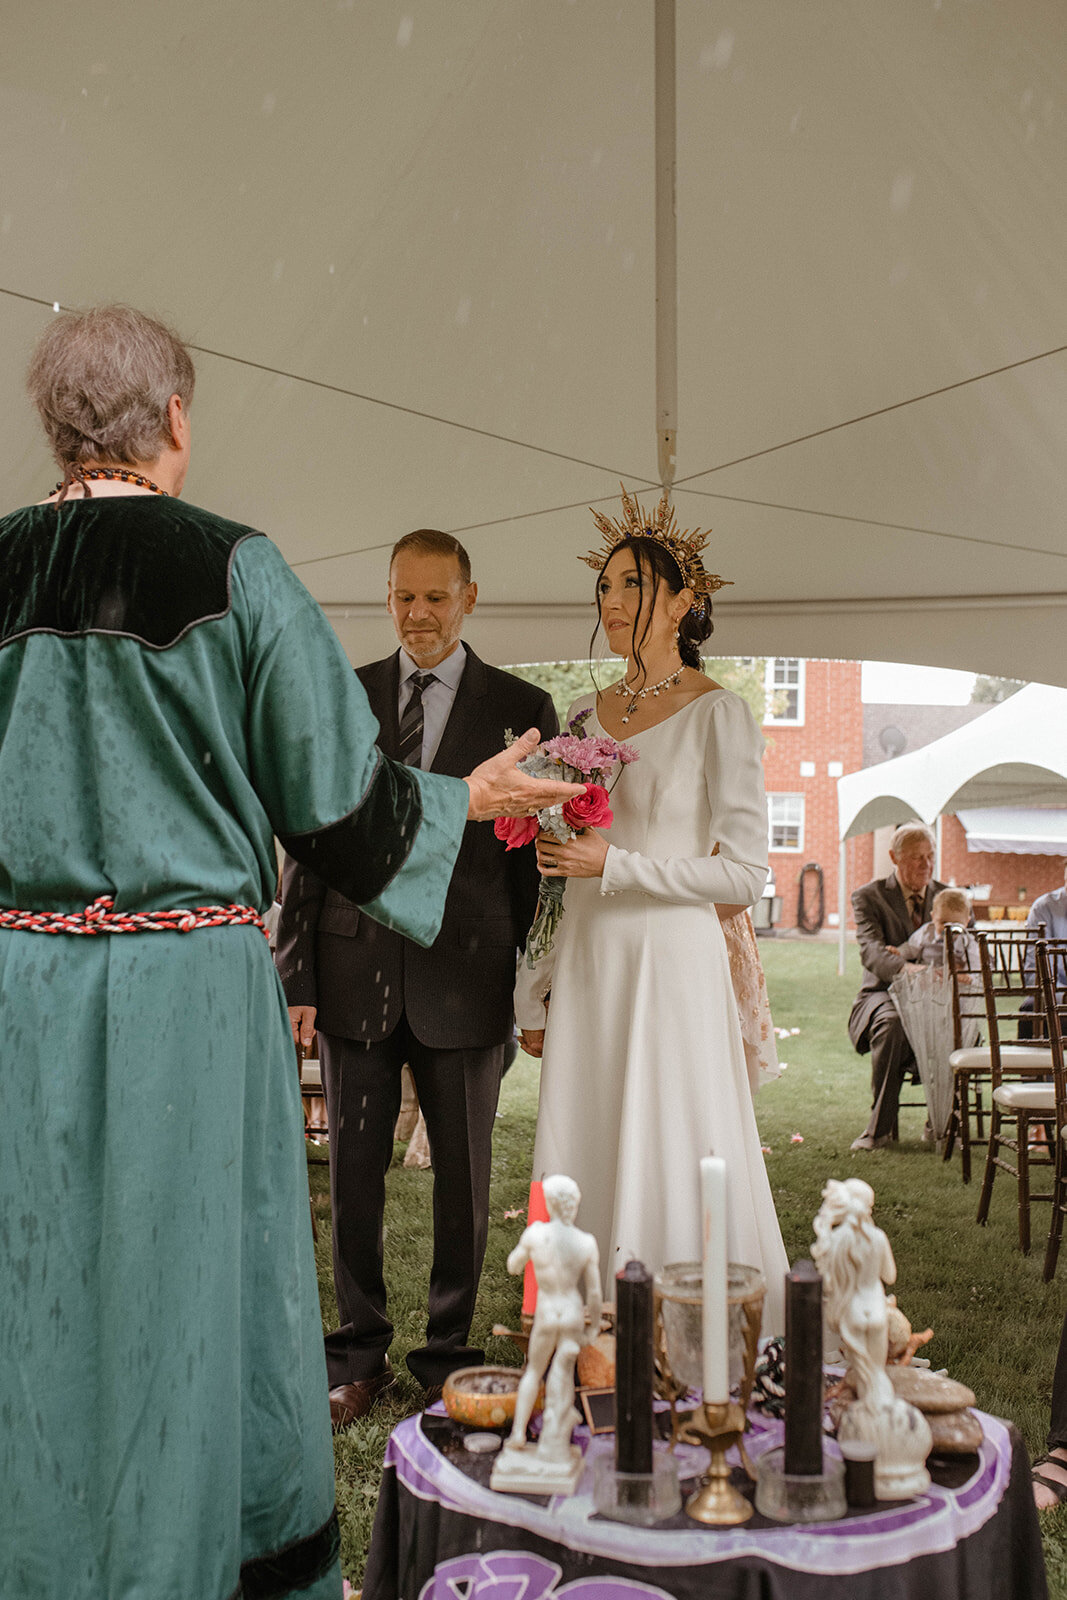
350,1401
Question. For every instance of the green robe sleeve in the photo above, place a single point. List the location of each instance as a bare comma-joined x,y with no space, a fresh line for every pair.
385,835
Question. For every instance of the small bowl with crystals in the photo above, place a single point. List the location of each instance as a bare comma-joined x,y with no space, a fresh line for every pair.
484,1397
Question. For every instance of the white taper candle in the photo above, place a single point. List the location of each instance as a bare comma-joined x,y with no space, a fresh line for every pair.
716,1330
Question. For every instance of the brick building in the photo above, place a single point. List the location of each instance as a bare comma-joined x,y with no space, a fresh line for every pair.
814,734
817,729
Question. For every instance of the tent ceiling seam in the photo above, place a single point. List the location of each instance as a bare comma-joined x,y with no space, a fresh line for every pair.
376,400
532,609
634,479
880,411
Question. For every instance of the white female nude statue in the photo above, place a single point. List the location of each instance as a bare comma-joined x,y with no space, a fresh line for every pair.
855,1260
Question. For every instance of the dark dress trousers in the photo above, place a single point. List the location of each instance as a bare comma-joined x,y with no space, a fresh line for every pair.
882,919
446,1011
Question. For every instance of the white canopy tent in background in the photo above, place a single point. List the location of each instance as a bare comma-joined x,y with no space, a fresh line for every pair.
1015,831
414,246
1014,755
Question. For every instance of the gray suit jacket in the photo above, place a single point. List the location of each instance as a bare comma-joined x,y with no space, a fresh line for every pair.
363,977
881,914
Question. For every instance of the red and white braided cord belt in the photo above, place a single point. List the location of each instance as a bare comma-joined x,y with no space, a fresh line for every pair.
100,917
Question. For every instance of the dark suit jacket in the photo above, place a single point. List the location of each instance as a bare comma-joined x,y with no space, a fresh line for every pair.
881,913
363,977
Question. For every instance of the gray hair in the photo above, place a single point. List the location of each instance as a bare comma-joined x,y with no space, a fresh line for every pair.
101,380
909,833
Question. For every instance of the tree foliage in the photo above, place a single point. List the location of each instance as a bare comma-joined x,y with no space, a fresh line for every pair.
565,681
990,691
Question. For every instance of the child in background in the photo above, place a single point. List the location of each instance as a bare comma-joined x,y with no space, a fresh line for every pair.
926,946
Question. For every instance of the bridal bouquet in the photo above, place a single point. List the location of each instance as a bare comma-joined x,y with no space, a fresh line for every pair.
575,757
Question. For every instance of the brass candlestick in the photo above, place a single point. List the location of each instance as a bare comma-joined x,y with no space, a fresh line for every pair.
719,1427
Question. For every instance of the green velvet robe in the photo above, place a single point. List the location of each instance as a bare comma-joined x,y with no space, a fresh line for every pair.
170,698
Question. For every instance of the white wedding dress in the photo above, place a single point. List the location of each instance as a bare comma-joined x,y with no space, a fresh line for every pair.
644,1068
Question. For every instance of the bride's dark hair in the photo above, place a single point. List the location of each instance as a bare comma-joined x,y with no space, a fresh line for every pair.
653,560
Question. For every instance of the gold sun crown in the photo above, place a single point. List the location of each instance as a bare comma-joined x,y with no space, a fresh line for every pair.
684,545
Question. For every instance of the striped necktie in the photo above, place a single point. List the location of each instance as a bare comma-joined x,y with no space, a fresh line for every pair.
915,907
410,745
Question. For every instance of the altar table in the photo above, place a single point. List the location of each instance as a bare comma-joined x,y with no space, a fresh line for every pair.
440,1533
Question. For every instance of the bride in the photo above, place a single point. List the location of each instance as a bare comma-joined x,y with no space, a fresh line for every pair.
644,1067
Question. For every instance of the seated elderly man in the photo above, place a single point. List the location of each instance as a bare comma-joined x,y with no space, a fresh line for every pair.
887,912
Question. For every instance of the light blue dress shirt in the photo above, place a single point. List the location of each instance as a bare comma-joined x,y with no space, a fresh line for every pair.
437,698
1051,909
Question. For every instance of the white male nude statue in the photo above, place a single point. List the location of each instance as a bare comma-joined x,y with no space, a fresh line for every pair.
567,1264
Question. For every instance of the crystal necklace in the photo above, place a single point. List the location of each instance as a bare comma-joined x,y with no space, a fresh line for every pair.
652,689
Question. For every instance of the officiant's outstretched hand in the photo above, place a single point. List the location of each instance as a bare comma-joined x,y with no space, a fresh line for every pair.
499,789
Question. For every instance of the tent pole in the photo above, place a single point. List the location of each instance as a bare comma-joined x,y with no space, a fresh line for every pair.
842,903
666,245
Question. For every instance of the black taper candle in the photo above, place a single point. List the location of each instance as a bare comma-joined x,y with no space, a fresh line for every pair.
803,1370
633,1369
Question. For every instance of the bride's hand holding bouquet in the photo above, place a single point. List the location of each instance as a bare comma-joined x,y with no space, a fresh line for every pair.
566,846
583,855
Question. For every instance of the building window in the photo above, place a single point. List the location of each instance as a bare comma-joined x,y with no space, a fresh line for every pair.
785,690
785,815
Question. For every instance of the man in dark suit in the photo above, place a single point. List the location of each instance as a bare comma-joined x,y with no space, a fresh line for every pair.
887,912
378,1000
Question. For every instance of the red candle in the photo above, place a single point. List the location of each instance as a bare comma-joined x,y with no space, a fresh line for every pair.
536,1211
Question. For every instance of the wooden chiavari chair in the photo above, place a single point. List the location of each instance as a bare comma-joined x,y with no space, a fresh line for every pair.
1023,1096
1052,978
969,1059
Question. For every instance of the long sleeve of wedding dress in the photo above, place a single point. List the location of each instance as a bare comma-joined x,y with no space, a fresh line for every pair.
531,988
737,873
734,875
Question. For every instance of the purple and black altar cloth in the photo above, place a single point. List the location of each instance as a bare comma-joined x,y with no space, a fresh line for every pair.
441,1534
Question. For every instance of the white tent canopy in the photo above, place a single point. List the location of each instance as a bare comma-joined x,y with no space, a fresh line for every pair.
1016,830
414,245
1014,755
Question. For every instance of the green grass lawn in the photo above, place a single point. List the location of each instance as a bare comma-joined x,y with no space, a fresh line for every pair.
996,1325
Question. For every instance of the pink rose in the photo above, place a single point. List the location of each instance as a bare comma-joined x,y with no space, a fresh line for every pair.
516,831
590,810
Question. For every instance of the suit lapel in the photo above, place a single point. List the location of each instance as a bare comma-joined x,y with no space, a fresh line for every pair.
898,900
452,752
382,683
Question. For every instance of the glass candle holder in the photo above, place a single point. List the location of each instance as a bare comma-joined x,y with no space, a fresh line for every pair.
679,1312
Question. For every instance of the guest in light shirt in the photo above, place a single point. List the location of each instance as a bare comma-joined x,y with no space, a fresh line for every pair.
1051,909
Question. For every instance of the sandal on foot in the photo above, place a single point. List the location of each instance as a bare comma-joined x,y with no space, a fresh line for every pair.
1054,1485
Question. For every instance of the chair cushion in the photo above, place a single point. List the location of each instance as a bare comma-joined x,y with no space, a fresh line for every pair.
1025,1058
1013,1058
1026,1096
976,1059
310,1076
